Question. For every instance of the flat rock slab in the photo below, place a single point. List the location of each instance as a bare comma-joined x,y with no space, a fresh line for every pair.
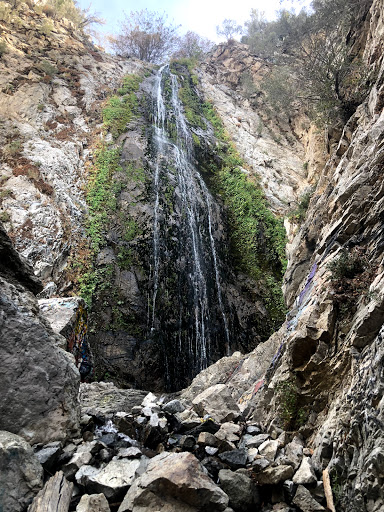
273,476
112,480
174,481
104,398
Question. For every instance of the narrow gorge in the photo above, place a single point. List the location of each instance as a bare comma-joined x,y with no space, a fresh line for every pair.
192,290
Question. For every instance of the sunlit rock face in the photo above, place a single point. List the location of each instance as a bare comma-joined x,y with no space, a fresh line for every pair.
52,88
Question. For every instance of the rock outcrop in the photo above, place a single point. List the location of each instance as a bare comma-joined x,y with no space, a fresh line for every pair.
39,385
21,475
53,83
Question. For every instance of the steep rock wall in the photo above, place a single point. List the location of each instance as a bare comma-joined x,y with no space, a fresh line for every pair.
40,382
283,150
53,83
322,374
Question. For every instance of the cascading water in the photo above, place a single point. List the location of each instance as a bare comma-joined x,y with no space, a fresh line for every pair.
184,246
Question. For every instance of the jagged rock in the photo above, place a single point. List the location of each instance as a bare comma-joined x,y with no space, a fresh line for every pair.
269,449
234,458
21,475
217,401
229,432
93,503
30,360
149,400
274,475
304,500
240,489
56,495
255,441
305,474
112,480
49,454
129,453
253,430
294,452
62,313
174,480
259,463
173,406
207,439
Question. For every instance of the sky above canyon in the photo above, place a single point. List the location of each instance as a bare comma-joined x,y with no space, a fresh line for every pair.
201,16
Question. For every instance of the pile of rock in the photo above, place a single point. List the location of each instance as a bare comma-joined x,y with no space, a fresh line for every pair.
163,455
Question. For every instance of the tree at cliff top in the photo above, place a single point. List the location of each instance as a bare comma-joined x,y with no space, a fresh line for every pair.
228,29
146,35
192,46
315,47
69,9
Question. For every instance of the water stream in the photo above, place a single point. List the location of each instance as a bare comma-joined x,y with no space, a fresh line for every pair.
184,241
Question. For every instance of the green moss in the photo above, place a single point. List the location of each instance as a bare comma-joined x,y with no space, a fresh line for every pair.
258,237
107,180
100,197
121,108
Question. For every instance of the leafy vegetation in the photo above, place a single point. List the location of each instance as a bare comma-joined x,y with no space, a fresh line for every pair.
291,415
121,108
298,215
351,277
228,29
106,180
347,265
69,9
146,35
3,48
313,54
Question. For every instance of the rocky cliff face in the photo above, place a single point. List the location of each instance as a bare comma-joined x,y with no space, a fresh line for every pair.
313,391
320,373
39,384
53,82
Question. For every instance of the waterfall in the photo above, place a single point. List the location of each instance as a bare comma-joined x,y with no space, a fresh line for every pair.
192,246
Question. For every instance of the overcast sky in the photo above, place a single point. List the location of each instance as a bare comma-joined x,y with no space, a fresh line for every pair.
201,16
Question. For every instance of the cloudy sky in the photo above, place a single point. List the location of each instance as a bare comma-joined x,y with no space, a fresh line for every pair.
201,16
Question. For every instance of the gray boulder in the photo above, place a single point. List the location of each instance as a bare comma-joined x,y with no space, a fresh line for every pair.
217,402
21,475
93,503
305,475
105,398
112,480
241,490
173,407
174,481
39,384
305,501
274,475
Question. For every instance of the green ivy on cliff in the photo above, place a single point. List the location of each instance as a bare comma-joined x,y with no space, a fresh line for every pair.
258,237
106,180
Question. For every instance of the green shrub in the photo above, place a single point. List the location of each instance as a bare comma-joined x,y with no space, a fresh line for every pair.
3,48
5,217
47,68
299,213
13,148
347,265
